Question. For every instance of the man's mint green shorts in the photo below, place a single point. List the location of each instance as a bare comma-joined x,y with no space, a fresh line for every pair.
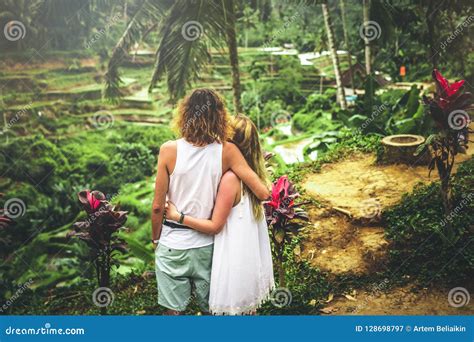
179,272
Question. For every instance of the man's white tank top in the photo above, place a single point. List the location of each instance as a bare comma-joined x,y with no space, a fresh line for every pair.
193,189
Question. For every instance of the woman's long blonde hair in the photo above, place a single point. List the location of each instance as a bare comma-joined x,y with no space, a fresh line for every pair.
245,136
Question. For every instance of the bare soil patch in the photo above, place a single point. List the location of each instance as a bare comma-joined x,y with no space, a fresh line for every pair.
403,300
346,235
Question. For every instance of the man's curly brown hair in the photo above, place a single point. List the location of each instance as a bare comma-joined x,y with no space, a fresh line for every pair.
202,118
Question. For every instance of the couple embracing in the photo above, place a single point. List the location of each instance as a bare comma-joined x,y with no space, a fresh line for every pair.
208,225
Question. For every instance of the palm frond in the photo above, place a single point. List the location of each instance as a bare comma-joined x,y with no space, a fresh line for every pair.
187,31
144,16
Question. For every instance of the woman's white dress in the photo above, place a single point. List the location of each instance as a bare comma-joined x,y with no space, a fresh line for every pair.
242,270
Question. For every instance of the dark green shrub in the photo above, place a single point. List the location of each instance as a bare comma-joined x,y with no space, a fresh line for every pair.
131,163
34,159
151,137
415,228
287,86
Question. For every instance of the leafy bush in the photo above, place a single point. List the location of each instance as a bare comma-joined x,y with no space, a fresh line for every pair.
326,101
317,114
415,228
131,163
284,217
392,112
100,232
317,122
151,137
448,109
34,159
286,88
307,286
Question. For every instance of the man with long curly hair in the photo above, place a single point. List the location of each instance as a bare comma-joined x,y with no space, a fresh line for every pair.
189,172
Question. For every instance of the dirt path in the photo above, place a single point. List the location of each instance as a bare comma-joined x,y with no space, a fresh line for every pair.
404,300
346,237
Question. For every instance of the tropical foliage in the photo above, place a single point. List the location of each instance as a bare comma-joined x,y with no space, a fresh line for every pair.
282,63
448,109
99,231
284,217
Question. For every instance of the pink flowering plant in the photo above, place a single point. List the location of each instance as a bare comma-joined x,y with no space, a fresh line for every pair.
285,218
449,109
99,231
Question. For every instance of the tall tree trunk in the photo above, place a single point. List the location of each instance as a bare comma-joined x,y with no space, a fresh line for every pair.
368,50
335,60
233,55
346,42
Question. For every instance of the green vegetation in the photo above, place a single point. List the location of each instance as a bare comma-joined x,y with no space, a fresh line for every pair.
86,103
416,228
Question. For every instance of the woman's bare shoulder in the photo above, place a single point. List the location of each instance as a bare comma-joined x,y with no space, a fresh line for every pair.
229,182
230,177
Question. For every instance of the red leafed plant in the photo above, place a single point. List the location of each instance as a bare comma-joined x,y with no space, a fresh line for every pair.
449,109
99,230
284,218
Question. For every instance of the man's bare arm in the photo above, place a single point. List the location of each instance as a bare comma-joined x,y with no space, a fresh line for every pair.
233,159
161,189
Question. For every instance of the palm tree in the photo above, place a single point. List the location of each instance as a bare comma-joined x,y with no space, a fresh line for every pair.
233,55
335,59
346,41
186,28
368,51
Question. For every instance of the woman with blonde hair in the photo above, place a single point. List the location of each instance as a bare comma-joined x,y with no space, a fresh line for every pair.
242,271
188,174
